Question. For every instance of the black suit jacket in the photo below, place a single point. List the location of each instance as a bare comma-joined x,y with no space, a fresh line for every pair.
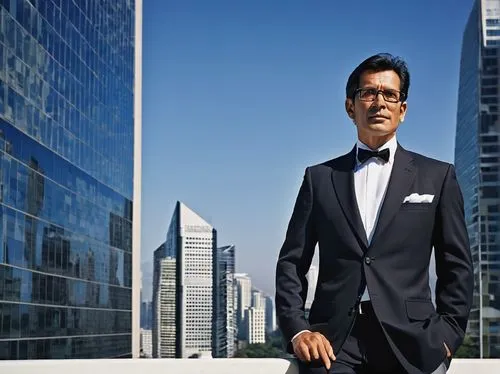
395,266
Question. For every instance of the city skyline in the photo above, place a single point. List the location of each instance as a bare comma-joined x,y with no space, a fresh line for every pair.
242,97
239,99
201,307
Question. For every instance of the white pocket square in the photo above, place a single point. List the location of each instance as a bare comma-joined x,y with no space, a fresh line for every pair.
416,198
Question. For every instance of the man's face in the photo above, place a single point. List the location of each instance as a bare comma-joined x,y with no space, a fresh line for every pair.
373,115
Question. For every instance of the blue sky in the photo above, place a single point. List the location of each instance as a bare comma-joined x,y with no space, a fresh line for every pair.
240,96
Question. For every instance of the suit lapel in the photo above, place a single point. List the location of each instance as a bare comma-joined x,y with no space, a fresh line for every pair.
343,181
400,181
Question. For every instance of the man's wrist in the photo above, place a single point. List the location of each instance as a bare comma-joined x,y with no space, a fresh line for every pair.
297,334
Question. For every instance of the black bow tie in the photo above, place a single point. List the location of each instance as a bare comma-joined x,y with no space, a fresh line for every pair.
365,154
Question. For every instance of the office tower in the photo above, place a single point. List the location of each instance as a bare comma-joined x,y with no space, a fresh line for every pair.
256,332
70,138
146,343
143,314
192,244
225,308
164,304
477,147
244,301
312,280
147,315
258,300
255,319
270,315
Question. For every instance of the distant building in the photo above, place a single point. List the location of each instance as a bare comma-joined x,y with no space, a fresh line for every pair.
165,339
190,248
255,319
147,343
147,315
270,315
225,303
256,325
244,301
258,299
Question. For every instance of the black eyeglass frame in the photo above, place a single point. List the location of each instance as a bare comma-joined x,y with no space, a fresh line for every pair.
401,97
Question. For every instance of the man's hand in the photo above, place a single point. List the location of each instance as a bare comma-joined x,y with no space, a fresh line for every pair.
448,353
313,345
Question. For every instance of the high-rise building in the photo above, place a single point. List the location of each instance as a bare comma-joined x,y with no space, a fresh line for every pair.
477,161
256,322
147,315
165,340
258,300
224,305
192,244
146,343
70,139
270,315
244,301
255,319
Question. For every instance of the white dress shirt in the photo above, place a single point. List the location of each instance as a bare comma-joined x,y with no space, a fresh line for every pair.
370,183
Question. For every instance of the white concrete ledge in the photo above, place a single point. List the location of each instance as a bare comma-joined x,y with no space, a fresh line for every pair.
198,366
474,366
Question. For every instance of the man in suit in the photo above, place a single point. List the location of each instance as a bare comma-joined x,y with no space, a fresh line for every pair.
376,213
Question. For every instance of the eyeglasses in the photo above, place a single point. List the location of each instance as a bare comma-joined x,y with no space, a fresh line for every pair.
370,94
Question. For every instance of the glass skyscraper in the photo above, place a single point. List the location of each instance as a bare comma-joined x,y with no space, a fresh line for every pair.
477,160
66,178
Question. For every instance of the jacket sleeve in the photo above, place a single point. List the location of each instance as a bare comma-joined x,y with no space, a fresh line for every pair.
454,271
293,264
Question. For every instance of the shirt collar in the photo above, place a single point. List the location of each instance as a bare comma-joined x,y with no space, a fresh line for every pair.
392,144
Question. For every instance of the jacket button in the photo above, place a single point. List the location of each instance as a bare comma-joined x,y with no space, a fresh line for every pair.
368,260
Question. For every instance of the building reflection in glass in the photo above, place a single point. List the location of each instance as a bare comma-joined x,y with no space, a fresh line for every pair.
66,178
477,161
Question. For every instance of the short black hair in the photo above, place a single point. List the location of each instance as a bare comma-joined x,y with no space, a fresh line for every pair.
377,63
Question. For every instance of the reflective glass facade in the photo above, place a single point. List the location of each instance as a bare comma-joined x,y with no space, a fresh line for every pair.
66,178
477,160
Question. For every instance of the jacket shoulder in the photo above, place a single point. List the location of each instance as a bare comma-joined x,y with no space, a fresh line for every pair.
430,163
344,162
